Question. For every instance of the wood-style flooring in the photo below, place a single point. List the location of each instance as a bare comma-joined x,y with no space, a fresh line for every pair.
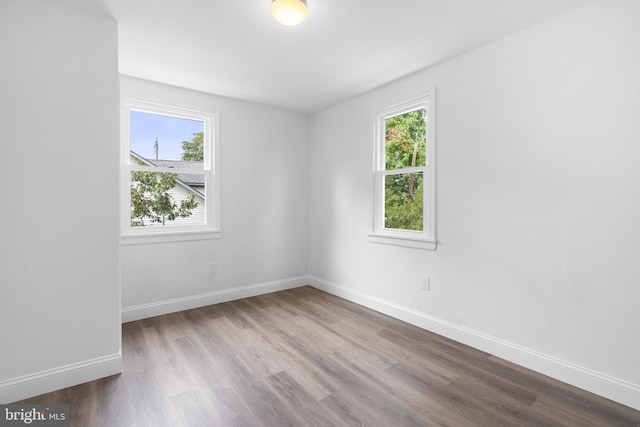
302,357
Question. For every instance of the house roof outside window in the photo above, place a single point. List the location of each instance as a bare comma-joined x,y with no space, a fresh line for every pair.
192,182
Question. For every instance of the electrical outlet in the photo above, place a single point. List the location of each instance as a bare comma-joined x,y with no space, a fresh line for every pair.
213,268
426,283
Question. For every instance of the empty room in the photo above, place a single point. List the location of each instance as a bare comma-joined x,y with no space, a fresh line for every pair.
320,212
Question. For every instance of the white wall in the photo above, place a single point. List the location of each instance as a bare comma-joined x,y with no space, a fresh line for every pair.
59,249
264,181
538,201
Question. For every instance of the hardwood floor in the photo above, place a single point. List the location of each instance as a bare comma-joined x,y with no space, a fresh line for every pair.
306,358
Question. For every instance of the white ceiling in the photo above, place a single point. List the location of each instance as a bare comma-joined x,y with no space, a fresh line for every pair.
346,47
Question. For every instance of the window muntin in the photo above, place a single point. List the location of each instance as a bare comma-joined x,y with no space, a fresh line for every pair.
169,175
404,175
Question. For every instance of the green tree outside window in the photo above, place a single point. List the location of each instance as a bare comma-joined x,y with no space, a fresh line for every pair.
405,147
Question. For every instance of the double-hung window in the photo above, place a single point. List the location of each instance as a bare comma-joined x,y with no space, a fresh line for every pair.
169,164
404,174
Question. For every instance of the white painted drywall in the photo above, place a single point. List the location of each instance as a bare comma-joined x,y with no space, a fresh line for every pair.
538,193
59,241
264,173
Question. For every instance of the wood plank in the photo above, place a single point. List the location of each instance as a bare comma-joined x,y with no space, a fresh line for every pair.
302,357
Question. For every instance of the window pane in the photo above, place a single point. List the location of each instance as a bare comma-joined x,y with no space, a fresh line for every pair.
158,137
167,199
405,140
403,201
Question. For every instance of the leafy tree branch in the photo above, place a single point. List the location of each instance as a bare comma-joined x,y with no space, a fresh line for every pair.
150,199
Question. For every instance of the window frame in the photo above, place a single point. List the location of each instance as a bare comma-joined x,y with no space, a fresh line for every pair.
211,227
378,233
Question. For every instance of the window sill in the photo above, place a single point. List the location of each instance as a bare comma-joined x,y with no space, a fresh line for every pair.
168,237
408,242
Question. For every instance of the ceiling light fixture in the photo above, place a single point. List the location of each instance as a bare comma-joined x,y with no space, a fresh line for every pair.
289,12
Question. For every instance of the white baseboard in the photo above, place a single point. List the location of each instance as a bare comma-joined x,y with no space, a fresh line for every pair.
144,311
55,379
595,382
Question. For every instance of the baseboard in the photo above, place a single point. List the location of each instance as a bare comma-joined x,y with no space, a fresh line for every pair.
55,379
595,382
144,311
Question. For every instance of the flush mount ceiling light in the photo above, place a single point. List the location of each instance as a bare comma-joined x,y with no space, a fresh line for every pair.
289,12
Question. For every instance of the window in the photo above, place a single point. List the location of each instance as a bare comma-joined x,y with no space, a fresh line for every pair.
404,175
169,163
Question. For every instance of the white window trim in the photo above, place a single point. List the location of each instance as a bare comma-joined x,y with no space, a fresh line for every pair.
211,229
425,239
